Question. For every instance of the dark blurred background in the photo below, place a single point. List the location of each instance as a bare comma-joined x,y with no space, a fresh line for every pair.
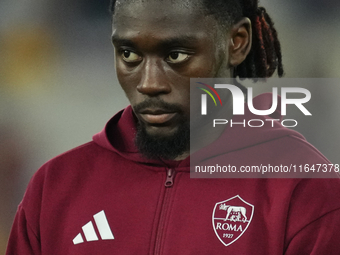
58,84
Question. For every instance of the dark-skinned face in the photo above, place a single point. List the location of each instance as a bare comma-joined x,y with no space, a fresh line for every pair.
159,46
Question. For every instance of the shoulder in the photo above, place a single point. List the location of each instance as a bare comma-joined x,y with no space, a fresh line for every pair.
81,157
295,144
63,172
61,179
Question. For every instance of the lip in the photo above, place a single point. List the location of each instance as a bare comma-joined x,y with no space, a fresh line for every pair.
156,116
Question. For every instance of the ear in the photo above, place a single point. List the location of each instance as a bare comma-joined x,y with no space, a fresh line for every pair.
240,44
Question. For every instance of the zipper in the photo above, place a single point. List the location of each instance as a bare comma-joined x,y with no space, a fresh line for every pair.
169,178
169,182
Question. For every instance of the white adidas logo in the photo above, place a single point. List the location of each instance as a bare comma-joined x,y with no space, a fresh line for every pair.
89,232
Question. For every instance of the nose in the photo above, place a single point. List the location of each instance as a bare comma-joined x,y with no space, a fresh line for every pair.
154,79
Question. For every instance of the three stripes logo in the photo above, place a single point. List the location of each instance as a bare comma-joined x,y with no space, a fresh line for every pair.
204,97
90,233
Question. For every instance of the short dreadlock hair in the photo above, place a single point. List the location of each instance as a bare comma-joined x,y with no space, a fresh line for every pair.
265,55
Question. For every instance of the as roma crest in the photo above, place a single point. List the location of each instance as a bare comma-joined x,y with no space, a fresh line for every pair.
231,218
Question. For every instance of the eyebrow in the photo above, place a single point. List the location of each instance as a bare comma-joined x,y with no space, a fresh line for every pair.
116,40
168,42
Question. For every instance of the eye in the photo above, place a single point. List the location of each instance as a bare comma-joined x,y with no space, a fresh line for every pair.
130,57
177,57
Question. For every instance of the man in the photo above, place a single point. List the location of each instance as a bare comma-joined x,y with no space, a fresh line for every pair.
129,190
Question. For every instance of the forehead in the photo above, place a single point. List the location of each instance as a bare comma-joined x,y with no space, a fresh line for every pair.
156,18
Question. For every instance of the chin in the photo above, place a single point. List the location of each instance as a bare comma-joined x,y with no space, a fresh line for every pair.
163,142
159,132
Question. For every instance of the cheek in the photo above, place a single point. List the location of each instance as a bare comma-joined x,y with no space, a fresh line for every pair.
128,81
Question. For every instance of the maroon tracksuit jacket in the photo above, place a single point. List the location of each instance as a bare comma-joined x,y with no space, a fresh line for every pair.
104,198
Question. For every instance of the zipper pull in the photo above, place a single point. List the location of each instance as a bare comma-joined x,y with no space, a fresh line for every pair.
169,178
